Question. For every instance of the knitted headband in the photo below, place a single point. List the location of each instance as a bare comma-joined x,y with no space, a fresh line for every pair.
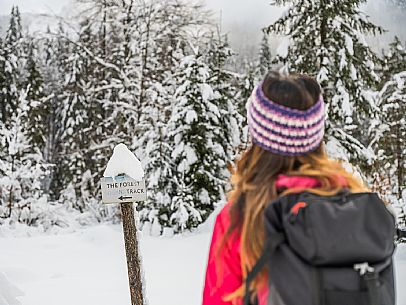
283,130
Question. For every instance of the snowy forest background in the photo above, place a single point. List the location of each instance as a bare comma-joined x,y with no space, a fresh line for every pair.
161,77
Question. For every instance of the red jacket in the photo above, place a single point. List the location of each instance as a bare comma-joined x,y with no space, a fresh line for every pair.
229,260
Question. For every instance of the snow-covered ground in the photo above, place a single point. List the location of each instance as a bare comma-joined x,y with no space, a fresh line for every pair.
89,267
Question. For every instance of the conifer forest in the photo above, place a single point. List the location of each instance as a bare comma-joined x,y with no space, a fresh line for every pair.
161,77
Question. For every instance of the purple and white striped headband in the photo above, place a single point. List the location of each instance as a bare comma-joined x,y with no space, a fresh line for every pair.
283,130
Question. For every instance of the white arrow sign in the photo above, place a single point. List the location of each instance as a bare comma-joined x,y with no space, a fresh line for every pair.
122,189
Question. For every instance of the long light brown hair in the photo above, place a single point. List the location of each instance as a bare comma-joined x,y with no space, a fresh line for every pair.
257,170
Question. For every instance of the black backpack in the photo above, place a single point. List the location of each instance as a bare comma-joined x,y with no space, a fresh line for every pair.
328,250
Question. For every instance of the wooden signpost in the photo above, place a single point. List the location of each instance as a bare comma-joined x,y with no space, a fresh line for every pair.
125,190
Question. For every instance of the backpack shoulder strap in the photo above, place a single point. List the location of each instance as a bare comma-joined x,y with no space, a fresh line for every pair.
271,243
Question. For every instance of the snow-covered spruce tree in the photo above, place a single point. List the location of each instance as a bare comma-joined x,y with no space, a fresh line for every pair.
391,143
84,142
37,116
394,59
167,42
154,150
160,54
75,118
265,58
387,124
11,64
200,160
21,170
327,42
91,45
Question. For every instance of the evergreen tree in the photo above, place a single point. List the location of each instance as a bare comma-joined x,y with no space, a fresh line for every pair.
11,61
154,150
75,118
388,126
152,145
200,160
21,169
392,144
265,59
22,128
328,43
394,59
98,147
391,135
37,116
168,43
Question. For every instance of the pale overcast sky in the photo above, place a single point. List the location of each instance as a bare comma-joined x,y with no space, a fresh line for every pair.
244,11
243,19
33,6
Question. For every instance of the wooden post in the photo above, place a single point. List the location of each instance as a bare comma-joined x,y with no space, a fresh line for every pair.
131,250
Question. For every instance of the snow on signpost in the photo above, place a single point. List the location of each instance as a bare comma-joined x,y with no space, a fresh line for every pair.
123,178
123,161
124,183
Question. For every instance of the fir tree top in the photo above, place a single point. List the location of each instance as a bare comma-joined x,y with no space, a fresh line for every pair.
395,59
328,42
14,32
265,61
